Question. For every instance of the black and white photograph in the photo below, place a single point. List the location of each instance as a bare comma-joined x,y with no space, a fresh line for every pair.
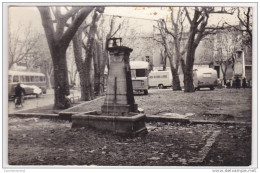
131,85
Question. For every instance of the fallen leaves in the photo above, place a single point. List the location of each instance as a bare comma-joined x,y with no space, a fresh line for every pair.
91,151
39,158
169,145
154,158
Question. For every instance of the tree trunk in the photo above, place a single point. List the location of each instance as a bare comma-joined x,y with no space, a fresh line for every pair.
97,72
176,86
188,71
58,41
48,80
83,74
89,89
224,73
61,82
99,68
175,76
224,79
86,87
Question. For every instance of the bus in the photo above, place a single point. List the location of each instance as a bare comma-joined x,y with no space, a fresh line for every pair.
33,83
139,74
160,79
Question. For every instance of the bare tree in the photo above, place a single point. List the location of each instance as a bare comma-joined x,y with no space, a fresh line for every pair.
176,31
226,45
42,59
169,47
21,45
244,16
163,58
101,57
224,61
84,65
58,40
72,72
198,30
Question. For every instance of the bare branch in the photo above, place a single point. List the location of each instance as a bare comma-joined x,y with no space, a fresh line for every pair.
119,27
69,33
67,8
71,13
223,10
187,14
54,12
166,29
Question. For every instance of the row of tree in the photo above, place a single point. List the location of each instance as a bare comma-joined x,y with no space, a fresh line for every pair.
88,35
181,50
83,29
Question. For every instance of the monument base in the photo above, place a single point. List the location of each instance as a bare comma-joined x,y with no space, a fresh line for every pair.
117,109
131,125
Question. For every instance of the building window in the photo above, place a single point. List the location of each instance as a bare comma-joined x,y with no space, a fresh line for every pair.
147,59
22,78
16,79
27,79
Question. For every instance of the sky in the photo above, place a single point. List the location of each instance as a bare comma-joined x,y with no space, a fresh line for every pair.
24,15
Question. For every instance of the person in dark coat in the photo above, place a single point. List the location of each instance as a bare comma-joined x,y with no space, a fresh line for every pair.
237,80
244,83
19,92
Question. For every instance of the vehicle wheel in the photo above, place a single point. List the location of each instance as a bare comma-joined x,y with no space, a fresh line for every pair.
145,92
212,88
37,95
198,88
160,86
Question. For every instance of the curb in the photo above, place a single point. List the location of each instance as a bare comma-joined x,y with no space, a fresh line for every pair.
41,115
152,118
149,118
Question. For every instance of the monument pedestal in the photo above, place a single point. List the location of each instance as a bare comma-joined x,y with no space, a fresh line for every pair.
119,111
130,125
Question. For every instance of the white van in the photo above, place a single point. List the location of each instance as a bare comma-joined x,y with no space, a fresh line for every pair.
139,74
205,78
161,79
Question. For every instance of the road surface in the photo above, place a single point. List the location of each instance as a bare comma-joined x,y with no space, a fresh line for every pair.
33,102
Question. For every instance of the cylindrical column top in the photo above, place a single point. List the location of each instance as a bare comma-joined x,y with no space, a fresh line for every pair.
120,49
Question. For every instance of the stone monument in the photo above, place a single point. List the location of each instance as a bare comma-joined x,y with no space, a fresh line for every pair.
119,113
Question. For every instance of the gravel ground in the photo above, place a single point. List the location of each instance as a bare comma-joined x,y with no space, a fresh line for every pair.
34,141
229,104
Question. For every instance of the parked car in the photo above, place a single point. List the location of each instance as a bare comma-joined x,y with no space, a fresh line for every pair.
32,90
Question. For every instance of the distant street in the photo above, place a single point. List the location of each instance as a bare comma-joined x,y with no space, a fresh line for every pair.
33,102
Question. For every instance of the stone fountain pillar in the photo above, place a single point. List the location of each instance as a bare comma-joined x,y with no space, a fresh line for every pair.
119,99
119,112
